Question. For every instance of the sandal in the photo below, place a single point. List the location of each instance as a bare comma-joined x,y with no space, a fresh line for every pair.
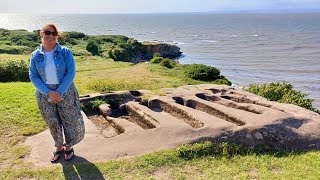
56,156
68,153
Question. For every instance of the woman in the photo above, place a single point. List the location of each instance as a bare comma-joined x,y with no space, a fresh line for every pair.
52,70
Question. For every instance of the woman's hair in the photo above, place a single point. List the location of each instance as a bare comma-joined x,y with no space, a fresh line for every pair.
60,34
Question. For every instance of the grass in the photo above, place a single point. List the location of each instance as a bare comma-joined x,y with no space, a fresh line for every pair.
20,118
167,164
95,74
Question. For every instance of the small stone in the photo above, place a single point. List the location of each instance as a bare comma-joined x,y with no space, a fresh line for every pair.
105,109
248,136
224,137
312,145
258,135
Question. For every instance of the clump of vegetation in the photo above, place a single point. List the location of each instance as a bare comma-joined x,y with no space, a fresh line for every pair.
208,148
120,54
11,71
201,72
222,80
115,85
72,38
75,35
156,60
12,49
93,47
281,92
167,63
125,50
18,41
156,54
96,103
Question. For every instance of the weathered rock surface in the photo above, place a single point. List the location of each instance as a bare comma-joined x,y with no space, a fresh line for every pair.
254,120
165,50
184,115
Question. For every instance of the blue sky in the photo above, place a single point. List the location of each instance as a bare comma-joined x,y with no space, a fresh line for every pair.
150,6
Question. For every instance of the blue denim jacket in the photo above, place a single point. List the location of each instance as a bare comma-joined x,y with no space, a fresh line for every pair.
66,70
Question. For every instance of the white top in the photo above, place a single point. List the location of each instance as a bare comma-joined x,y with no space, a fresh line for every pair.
51,71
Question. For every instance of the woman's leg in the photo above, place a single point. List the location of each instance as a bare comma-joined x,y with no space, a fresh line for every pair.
71,118
51,116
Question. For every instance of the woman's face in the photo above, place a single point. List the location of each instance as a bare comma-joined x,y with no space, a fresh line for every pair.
49,36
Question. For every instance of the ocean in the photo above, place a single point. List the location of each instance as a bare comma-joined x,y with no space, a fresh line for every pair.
247,48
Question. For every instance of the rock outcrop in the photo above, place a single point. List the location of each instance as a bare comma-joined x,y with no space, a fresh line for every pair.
129,125
165,50
221,113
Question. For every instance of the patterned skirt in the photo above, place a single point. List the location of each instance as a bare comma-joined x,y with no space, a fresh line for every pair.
64,118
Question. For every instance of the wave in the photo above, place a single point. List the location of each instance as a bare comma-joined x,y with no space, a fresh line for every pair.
300,47
210,41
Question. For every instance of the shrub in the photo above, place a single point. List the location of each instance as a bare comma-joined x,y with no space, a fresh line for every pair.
281,92
96,103
156,54
106,39
6,43
201,72
133,41
79,51
75,35
120,54
156,60
167,63
222,81
93,47
14,49
14,71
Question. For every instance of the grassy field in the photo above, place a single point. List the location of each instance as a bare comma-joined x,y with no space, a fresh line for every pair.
20,118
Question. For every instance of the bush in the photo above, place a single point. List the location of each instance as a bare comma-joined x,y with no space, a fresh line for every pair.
156,54
14,49
167,63
79,51
75,35
207,148
201,72
156,60
222,81
14,71
96,103
22,38
281,92
93,47
120,54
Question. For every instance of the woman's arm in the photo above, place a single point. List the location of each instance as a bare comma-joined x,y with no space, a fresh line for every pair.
69,76
35,78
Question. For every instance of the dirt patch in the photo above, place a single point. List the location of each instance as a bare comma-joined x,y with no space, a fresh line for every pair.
108,128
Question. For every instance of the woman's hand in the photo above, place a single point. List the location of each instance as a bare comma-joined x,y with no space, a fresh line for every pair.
55,97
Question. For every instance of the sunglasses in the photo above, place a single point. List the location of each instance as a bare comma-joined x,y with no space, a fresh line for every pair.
54,33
